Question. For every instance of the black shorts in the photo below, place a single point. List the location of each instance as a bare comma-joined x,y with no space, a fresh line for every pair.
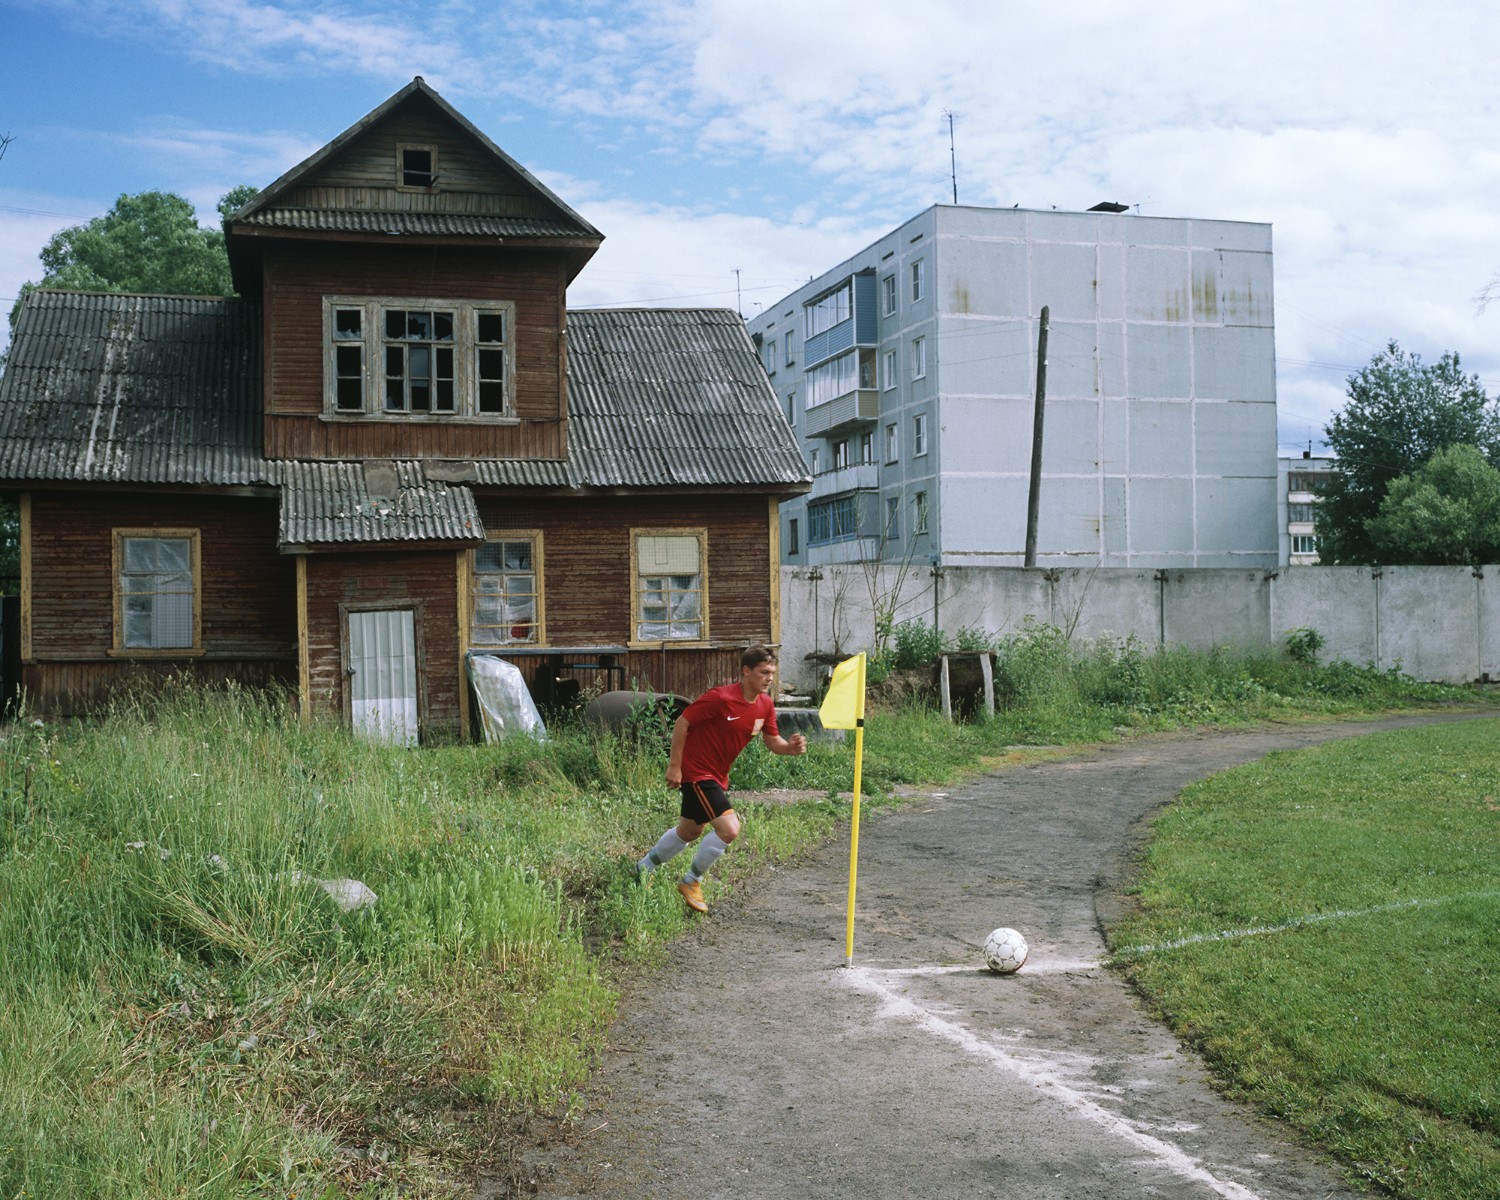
703,800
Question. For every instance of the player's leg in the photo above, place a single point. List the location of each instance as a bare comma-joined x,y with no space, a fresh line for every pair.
725,828
669,845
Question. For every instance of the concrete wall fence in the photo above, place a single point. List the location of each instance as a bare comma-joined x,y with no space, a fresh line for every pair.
1434,623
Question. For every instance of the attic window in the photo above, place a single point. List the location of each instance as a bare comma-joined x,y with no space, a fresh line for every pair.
418,166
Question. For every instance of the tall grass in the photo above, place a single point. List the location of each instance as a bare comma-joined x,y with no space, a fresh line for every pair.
185,1012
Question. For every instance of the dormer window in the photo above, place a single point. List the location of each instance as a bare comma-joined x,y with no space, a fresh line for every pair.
418,359
418,166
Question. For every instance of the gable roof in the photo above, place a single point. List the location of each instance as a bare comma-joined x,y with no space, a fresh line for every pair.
166,390
266,208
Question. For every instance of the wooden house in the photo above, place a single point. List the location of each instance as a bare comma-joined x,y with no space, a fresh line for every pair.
395,448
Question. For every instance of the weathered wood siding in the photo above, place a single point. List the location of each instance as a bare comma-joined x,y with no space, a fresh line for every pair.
586,577
426,583
298,275
364,174
248,594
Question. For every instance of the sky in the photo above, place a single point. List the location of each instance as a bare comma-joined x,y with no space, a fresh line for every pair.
731,150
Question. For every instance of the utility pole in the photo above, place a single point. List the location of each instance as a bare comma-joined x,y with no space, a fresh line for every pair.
738,306
1033,495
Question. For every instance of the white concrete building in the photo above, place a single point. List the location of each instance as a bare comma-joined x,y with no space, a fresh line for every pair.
909,372
1299,481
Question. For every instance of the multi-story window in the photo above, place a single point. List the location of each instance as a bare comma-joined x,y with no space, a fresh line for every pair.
507,603
671,593
888,296
919,358
834,520
419,358
918,279
919,512
892,443
919,435
157,574
833,379
828,310
888,370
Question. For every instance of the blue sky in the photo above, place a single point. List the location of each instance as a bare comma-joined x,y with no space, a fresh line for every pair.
729,150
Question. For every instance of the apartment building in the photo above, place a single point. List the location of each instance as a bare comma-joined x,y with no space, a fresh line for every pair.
908,373
1300,481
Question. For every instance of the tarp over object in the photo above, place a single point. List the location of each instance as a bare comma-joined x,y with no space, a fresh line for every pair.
505,706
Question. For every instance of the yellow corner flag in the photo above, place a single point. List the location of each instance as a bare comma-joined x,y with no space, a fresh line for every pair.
844,705
844,708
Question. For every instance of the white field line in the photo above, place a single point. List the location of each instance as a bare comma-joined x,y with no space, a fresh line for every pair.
1040,1075
1342,914
1034,966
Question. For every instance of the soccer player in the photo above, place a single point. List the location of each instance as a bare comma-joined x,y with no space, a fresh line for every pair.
706,740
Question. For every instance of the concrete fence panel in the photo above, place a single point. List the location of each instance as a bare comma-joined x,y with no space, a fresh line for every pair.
1433,622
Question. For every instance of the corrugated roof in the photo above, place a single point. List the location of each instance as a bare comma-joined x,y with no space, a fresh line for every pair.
432,224
167,390
133,389
673,397
330,503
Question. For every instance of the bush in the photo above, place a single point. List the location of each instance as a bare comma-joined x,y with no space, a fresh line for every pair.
1303,645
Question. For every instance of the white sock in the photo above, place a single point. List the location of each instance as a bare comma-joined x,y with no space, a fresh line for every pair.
708,853
669,846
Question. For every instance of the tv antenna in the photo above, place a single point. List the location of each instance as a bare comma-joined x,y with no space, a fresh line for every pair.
952,156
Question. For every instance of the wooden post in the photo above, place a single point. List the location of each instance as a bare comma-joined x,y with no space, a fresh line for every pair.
947,689
1034,493
987,672
304,653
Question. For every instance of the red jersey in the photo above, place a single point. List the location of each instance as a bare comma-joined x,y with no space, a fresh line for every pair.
721,724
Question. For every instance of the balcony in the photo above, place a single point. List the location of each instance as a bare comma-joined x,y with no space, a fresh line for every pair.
859,409
861,477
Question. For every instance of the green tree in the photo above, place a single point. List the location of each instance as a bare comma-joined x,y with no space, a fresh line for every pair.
149,242
1447,511
1400,413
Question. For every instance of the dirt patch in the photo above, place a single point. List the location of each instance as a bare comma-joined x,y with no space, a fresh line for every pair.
757,1065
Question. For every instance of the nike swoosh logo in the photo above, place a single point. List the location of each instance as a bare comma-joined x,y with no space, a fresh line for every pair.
731,718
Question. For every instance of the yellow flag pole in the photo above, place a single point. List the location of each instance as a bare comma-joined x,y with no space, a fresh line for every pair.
859,758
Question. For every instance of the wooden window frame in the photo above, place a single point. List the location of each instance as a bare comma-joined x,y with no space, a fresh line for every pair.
636,592
118,536
401,184
466,350
538,554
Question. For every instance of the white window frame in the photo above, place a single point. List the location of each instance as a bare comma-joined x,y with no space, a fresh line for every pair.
918,435
474,369
892,442
867,447
919,358
892,529
888,294
841,454
686,604
918,279
833,307
1304,543
482,584
919,514
891,372
124,591
786,342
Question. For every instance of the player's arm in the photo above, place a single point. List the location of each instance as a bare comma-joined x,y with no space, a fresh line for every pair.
674,755
776,744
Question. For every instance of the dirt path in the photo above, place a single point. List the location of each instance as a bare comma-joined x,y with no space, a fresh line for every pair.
757,1066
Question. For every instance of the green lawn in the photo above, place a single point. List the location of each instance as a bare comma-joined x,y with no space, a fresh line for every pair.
1325,926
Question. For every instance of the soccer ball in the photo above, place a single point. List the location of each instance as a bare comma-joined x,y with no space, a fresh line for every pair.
1005,951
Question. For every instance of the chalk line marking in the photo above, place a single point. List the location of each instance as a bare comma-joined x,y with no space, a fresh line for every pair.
1039,1075
1341,914
1034,966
